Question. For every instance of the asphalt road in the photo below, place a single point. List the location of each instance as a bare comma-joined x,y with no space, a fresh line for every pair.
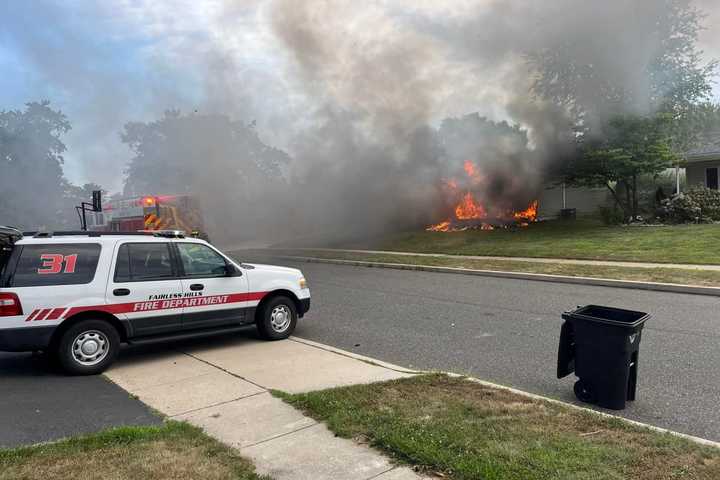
40,404
507,331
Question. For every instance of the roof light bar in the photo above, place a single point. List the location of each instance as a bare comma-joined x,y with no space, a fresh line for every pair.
165,233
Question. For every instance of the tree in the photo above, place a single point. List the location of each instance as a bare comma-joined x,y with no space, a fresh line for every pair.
174,153
220,160
507,168
630,146
674,80
31,158
631,118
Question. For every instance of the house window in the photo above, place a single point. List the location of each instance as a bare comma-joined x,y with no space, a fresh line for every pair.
711,178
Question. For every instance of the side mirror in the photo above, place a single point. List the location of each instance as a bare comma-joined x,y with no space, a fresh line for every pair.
232,271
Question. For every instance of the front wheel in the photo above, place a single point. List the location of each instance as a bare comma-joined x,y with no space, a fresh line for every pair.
88,347
277,319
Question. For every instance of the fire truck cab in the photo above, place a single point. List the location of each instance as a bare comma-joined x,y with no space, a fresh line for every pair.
150,212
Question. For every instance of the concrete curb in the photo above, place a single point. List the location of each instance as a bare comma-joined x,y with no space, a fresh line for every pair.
539,277
363,358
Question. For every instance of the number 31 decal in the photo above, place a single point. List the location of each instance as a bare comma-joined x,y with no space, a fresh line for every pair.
53,263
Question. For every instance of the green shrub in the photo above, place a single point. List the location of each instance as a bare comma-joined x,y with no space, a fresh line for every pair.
697,205
708,200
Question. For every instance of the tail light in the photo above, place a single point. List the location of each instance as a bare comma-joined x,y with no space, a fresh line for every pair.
10,305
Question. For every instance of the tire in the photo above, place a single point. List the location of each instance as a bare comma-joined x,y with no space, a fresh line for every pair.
584,392
277,319
88,347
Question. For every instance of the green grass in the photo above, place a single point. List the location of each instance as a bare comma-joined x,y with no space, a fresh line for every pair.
681,276
464,431
170,451
582,239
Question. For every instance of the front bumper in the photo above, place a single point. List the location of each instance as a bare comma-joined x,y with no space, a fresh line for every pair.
304,306
27,339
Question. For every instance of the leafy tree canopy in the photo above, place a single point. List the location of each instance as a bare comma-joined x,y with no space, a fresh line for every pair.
31,157
593,88
630,147
222,162
184,153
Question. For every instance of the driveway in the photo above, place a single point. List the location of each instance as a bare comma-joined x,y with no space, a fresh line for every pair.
39,404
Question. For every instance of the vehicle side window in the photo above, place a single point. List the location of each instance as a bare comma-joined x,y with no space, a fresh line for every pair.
56,264
143,261
199,260
122,265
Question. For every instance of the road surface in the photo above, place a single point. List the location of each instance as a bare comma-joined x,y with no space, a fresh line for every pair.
506,331
40,404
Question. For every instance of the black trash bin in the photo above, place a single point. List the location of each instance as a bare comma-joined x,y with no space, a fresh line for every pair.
601,345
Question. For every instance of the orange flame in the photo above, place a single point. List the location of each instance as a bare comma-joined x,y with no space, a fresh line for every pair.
529,214
440,227
468,208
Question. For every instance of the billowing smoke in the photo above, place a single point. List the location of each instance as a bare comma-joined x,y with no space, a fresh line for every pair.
377,103
383,75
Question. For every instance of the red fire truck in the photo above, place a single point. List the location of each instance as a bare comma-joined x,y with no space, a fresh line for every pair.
149,212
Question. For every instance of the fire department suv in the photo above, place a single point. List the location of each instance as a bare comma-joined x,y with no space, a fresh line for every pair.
79,295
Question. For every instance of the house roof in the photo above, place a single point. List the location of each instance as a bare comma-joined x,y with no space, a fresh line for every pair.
709,149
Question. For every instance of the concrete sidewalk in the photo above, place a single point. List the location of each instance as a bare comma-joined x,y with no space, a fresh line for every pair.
222,386
566,261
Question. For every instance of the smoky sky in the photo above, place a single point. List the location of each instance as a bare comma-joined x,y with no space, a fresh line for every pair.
398,70
354,91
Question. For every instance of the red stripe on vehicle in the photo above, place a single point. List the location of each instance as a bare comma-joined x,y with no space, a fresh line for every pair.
55,314
42,314
32,315
169,304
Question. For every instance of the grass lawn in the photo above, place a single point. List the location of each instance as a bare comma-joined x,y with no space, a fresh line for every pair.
464,430
661,275
583,239
172,451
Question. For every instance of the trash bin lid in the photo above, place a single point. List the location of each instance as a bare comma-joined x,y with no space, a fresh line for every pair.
609,315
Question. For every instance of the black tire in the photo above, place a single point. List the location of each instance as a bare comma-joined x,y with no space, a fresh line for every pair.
78,361
584,392
269,329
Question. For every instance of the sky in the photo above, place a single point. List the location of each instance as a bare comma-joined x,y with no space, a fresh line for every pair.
107,63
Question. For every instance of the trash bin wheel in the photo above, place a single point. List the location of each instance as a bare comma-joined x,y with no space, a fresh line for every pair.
584,392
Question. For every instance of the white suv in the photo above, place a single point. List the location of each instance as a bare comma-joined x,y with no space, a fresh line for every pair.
79,295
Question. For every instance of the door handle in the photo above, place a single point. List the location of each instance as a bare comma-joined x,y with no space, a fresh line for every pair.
196,286
121,292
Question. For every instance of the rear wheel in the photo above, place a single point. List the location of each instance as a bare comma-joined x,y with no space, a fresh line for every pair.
584,392
277,319
88,347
